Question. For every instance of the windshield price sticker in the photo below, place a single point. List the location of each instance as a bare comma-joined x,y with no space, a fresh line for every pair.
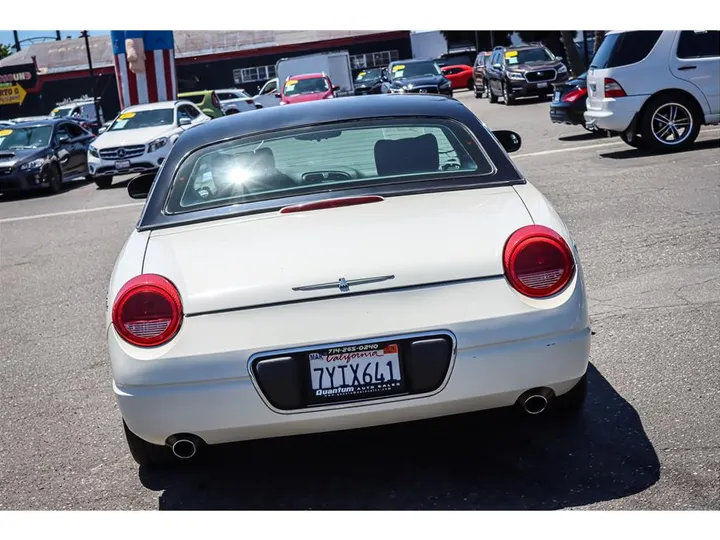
398,68
510,54
127,116
6,132
355,372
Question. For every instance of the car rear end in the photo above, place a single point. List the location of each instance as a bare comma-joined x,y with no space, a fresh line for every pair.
568,104
451,302
619,79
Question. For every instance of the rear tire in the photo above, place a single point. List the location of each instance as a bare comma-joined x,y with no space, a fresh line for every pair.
145,453
103,182
471,84
654,129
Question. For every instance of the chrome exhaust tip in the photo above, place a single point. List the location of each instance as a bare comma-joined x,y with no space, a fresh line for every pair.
535,401
184,446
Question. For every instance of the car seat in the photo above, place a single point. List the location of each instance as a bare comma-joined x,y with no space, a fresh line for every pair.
412,155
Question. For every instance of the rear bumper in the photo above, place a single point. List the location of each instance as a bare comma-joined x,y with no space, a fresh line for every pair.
562,113
201,382
612,114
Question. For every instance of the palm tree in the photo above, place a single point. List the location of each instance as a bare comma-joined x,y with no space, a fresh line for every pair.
575,62
599,37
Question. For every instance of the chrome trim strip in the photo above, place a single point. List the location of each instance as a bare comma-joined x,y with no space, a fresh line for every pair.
343,284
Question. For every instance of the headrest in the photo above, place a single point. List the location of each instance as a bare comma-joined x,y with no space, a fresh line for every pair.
407,156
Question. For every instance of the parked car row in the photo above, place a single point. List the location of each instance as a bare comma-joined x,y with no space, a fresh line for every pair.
654,89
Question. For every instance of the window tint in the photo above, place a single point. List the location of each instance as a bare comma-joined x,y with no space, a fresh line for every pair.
699,44
223,96
74,131
184,111
62,132
313,160
625,48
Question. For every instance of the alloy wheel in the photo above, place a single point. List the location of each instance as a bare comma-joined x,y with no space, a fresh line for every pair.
671,123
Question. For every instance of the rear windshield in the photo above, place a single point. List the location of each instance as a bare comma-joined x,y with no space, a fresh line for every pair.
624,48
324,158
197,99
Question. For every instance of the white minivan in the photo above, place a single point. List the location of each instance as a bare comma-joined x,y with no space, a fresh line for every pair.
655,88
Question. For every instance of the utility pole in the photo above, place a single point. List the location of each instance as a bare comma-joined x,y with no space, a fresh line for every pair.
84,34
58,37
17,41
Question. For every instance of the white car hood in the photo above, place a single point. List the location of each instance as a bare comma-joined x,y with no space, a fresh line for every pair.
258,260
111,139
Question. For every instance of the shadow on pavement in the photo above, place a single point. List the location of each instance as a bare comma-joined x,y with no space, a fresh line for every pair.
630,153
478,461
584,136
41,193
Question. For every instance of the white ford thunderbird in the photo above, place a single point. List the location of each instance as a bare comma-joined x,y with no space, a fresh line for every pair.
336,265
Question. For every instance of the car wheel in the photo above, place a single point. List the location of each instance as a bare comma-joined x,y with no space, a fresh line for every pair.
471,84
145,453
103,182
635,142
572,402
231,111
54,177
492,98
507,98
669,123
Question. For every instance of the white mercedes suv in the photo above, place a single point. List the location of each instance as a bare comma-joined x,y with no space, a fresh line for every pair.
655,88
139,139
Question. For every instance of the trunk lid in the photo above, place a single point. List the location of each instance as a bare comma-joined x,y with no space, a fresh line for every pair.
258,260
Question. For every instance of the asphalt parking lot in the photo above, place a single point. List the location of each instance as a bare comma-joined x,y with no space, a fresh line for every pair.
647,228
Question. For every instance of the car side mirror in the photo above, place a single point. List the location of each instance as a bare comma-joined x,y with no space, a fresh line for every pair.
335,88
277,94
184,122
63,139
139,187
559,58
497,66
509,140
103,129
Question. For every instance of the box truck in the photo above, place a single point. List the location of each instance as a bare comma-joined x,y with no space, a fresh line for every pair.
335,65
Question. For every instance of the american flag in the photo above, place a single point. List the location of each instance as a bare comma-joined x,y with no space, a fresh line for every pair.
147,81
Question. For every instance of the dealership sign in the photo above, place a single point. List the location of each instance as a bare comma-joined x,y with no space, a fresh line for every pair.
13,94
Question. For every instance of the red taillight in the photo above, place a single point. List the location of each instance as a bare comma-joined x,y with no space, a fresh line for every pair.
613,89
147,311
215,100
537,261
574,95
331,203
250,102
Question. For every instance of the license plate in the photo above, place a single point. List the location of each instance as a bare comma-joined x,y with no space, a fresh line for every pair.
122,164
355,372
556,96
542,85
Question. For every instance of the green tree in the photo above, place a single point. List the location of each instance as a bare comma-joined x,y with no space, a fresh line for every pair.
575,62
4,51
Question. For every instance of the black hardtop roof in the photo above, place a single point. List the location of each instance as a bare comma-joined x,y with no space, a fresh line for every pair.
319,112
302,115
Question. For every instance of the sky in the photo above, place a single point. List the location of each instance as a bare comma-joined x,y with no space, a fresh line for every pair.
6,36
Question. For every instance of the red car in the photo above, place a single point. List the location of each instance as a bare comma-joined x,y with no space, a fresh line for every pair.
461,76
309,87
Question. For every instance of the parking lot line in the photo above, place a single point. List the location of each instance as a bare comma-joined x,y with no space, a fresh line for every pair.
591,146
70,212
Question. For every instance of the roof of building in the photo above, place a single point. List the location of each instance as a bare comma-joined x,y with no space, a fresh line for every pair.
71,55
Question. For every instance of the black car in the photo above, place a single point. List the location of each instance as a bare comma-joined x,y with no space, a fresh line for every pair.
523,71
568,103
416,77
369,81
42,155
